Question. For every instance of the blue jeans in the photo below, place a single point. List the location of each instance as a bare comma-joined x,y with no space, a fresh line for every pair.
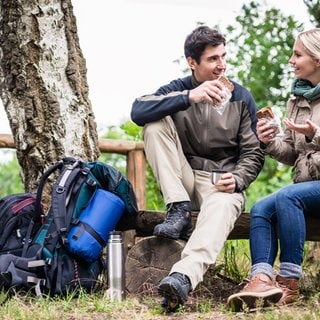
282,213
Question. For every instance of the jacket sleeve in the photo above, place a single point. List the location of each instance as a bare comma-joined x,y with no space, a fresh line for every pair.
251,158
167,100
242,94
283,149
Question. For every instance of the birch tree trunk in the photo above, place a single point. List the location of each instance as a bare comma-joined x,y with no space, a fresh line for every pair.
43,85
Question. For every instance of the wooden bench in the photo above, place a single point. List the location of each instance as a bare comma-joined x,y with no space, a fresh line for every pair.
136,172
150,258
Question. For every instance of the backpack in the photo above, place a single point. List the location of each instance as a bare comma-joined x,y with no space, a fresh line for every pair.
47,264
19,222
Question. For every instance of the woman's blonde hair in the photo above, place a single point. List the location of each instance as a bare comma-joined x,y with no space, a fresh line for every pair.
311,41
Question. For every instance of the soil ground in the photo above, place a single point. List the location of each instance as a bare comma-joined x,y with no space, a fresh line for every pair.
209,301
213,291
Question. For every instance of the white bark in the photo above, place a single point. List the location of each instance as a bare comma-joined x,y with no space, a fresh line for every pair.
43,85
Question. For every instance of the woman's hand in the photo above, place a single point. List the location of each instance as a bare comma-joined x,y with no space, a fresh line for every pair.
266,132
308,129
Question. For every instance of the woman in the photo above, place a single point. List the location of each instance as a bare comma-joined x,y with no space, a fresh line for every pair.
285,209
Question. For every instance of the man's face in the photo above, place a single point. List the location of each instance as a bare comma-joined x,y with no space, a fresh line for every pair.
212,63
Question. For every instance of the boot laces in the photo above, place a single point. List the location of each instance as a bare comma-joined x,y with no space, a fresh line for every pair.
176,213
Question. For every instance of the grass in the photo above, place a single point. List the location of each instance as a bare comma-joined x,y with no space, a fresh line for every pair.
206,302
97,306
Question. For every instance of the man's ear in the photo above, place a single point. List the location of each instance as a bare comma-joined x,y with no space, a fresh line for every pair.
192,63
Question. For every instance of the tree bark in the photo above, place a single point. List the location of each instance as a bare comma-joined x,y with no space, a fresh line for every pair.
43,85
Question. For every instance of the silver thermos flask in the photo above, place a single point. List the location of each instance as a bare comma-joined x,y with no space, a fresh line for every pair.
116,274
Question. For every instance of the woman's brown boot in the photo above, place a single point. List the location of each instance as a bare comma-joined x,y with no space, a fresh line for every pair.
290,288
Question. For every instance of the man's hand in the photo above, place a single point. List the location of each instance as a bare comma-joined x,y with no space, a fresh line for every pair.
227,183
206,91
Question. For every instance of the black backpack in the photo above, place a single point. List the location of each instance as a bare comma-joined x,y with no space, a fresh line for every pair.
19,222
45,262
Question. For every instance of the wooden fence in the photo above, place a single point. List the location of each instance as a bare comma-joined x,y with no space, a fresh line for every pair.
136,173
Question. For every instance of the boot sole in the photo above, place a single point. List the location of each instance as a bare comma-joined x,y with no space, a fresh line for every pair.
253,300
168,235
183,235
172,296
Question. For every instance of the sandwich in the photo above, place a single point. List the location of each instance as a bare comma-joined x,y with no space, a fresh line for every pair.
226,83
265,113
228,86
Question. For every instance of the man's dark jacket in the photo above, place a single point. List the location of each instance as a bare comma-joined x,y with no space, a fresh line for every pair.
210,140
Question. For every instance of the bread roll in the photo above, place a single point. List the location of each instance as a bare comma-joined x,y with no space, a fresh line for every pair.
226,82
265,113
228,86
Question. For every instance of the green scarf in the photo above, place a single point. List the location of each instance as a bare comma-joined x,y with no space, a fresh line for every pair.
304,88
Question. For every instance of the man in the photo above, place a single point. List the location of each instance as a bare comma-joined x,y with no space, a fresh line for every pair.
187,136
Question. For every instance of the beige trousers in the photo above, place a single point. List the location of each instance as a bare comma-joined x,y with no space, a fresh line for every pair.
178,182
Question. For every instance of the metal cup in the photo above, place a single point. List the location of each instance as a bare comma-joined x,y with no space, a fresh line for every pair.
216,175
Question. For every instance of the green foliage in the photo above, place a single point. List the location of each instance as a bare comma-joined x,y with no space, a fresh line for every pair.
127,131
273,176
118,161
10,178
314,11
153,194
132,131
261,43
236,259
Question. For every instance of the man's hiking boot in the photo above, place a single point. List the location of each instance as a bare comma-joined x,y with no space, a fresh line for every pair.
259,292
174,289
177,224
290,289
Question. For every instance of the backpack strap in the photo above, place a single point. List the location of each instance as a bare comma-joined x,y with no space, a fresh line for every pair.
27,239
68,184
85,227
38,282
61,194
56,166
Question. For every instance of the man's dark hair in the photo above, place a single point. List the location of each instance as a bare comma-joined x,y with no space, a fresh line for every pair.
199,38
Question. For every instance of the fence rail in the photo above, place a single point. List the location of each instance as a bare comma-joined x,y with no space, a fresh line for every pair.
135,161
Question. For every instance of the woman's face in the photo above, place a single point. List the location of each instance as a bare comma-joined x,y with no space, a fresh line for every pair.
305,66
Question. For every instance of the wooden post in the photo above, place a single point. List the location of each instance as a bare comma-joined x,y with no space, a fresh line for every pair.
136,173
